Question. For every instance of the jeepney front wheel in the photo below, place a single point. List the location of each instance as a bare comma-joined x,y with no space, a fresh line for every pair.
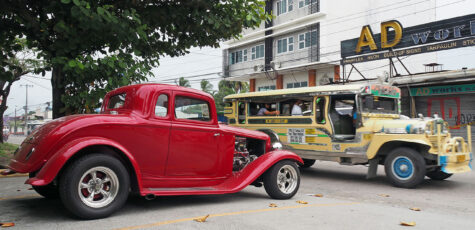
438,175
405,167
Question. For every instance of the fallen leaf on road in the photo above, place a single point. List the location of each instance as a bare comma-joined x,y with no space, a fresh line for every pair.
383,195
272,205
18,190
318,195
201,219
302,202
412,223
30,188
7,224
415,209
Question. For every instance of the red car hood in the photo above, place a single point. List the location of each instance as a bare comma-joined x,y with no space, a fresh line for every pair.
244,132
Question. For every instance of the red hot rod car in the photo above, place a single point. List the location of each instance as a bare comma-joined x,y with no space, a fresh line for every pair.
154,139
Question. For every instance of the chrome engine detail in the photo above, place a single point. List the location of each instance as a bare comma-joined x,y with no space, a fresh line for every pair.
241,154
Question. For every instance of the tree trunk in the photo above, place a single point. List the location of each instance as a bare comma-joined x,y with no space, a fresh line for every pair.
1,123
58,90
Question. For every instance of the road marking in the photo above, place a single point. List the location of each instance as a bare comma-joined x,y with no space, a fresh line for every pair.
232,214
19,197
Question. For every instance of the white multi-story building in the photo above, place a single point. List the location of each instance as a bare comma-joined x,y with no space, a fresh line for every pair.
301,45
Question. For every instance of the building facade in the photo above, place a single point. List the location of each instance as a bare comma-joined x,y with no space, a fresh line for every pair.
300,46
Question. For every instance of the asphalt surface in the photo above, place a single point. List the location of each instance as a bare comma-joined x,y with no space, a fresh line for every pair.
349,202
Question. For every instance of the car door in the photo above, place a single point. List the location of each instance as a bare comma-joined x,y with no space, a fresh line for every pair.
193,148
154,137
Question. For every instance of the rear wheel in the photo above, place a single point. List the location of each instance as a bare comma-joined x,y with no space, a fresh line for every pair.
438,175
94,186
307,163
282,180
405,167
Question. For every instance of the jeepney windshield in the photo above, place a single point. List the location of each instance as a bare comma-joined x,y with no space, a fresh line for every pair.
375,104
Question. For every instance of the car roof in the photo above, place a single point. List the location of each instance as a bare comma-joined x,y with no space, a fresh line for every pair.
156,86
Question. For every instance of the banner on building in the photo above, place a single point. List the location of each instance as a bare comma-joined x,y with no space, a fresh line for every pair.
394,40
442,90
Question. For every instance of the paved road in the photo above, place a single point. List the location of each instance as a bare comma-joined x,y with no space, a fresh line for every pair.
349,202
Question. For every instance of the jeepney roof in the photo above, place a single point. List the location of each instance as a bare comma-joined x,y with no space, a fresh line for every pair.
329,89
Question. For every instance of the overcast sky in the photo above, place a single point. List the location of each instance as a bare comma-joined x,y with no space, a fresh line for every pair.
209,60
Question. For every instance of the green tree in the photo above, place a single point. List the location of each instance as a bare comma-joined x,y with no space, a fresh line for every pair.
16,60
207,86
183,82
79,37
226,88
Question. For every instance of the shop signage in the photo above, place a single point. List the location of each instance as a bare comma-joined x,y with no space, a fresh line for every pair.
440,90
395,38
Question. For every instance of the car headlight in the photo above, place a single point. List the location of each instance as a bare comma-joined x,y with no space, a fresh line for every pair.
277,145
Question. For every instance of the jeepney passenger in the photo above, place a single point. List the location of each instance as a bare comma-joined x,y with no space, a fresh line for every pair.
264,111
296,109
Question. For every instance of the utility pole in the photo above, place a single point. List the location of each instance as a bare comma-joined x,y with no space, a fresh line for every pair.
25,131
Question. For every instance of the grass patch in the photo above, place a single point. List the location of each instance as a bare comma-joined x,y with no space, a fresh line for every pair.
7,149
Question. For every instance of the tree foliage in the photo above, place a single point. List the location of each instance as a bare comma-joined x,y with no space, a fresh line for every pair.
16,60
226,88
183,82
207,86
78,38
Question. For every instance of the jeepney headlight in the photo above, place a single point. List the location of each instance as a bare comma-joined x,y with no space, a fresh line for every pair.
419,128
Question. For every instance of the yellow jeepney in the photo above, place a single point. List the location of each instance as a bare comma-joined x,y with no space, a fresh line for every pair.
355,124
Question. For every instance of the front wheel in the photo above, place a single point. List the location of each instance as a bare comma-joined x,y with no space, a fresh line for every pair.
94,186
438,175
405,167
282,180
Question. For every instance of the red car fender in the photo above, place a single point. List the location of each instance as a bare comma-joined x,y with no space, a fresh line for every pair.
49,171
256,168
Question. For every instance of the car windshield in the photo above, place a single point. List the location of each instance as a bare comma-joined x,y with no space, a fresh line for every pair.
374,104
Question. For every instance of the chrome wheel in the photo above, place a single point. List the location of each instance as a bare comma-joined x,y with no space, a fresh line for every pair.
98,187
287,179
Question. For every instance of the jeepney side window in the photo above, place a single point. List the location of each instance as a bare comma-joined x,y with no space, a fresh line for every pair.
320,110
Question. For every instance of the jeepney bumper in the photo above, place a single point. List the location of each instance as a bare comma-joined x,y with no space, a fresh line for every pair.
456,162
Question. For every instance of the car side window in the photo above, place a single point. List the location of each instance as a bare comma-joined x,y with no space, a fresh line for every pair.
161,108
192,109
117,101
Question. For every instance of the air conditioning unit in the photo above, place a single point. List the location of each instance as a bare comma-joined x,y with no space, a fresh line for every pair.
258,68
275,65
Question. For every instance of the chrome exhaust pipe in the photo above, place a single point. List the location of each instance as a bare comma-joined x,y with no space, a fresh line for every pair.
150,197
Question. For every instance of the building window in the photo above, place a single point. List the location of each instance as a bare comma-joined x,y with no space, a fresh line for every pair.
303,3
285,44
296,84
245,55
282,45
284,5
237,56
307,39
291,44
266,88
257,52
